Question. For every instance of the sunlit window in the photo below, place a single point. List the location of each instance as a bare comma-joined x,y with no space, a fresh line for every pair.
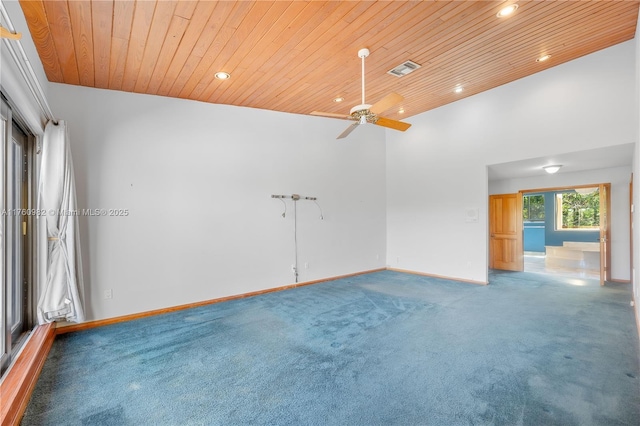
533,207
578,210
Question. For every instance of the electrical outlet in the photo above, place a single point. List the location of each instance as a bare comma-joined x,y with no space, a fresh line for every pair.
108,294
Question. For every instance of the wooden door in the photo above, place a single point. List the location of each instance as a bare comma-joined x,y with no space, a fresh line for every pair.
505,231
605,233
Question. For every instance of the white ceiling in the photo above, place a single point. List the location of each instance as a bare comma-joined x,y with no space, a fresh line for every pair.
601,158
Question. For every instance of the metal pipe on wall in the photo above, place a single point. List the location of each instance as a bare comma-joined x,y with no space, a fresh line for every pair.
295,198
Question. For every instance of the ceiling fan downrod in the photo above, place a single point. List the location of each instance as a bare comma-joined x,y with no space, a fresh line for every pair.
363,53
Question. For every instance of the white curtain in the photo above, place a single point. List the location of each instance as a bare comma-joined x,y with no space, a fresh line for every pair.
61,286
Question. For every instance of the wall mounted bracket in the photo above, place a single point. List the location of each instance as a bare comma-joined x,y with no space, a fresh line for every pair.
295,198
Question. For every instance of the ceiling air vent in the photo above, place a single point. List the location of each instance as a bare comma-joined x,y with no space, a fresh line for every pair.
404,69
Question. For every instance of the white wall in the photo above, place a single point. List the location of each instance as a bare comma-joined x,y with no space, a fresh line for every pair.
197,179
437,169
619,177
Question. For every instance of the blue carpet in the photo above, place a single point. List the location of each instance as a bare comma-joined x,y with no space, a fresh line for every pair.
377,349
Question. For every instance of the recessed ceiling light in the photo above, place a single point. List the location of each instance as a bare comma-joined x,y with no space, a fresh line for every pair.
401,111
543,58
507,11
338,99
222,75
458,89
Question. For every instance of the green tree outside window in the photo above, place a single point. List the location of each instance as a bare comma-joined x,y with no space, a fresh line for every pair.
578,211
533,207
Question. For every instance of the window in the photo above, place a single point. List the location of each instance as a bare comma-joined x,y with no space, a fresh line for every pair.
578,209
533,207
16,304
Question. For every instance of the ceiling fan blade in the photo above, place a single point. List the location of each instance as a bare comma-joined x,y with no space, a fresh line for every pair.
392,124
347,131
330,114
385,103
5,33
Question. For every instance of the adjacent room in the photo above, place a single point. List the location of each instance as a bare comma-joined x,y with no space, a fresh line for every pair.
566,218
309,212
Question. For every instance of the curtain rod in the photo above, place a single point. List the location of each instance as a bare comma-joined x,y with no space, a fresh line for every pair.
28,74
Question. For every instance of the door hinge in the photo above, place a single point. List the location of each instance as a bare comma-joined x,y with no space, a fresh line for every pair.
24,228
25,165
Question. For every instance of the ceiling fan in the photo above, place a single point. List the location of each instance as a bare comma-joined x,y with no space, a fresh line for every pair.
365,113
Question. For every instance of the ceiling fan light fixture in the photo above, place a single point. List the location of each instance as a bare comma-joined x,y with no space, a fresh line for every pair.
221,75
551,169
507,11
366,113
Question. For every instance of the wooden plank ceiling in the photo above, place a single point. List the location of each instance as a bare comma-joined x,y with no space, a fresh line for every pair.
297,56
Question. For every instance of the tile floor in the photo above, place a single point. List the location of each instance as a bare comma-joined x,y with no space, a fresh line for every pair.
534,262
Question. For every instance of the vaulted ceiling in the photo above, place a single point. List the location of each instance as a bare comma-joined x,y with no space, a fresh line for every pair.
297,56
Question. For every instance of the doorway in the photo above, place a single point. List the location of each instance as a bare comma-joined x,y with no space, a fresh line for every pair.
563,231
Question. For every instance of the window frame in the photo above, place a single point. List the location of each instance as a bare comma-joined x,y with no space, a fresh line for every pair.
524,199
10,347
